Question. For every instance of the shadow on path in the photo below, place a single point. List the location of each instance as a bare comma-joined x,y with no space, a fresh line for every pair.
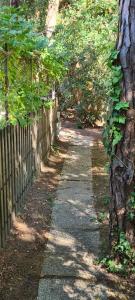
75,238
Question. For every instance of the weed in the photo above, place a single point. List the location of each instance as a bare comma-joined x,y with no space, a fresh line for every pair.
102,216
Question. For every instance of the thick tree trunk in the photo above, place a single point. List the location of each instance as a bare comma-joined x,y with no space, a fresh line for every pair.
122,165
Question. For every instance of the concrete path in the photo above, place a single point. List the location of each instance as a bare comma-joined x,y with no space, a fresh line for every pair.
74,241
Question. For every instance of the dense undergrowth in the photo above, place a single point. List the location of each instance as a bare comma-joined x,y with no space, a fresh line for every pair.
85,36
75,58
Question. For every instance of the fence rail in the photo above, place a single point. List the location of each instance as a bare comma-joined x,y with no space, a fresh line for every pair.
23,150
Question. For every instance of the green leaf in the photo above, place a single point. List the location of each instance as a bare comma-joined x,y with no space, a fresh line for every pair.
117,138
120,119
131,216
115,79
23,122
48,104
121,105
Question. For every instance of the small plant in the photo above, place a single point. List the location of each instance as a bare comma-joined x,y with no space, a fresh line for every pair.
131,207
50,201
102,216
112,265
55,148
123,248
106,200
122,260
79,124
107,167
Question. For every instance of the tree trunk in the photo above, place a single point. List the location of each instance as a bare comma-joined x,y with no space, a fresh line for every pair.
51,17
122,164
15,3
51,20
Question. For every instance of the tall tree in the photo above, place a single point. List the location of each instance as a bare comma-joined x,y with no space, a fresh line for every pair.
122,175
51,17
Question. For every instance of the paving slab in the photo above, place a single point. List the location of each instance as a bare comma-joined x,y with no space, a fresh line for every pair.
71,253
72,215
67,289
65,265
74,187
74,239
78,166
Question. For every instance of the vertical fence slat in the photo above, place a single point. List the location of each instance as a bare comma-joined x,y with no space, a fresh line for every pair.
5,180
21,165
9,183
22,152
2,214
15,169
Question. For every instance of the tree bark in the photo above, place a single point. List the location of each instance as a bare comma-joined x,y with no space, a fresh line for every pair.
51,17
122,180
15,3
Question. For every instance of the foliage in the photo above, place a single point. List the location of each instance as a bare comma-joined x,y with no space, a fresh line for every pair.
106,200
113,132
131,207
32,10
28,68
77,55
84,37
102,216
123,258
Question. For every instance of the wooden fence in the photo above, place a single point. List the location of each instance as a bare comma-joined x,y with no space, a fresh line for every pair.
23,150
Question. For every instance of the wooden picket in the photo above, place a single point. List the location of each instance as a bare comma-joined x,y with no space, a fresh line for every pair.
22,151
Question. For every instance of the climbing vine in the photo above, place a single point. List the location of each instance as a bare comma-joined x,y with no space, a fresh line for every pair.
122,259
116,118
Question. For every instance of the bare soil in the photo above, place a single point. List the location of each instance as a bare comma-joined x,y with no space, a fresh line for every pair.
21,259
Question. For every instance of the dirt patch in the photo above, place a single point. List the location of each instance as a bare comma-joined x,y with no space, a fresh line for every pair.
21,260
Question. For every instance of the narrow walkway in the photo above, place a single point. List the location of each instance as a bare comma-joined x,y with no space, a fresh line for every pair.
73,242
68,270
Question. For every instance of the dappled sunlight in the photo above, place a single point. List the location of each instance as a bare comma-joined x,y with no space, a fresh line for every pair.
75,272
73,247
79,208
99,170
47,169
74,240
71,176
66,240
75,137
24,232
74,157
